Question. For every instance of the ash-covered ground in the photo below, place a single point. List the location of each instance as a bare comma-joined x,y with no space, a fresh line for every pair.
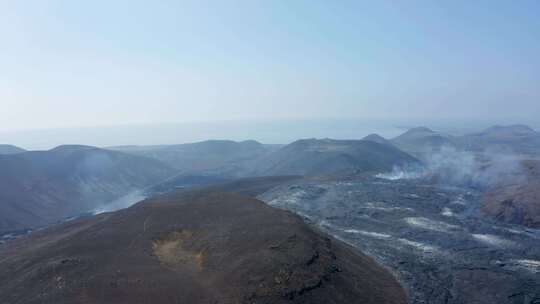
431,236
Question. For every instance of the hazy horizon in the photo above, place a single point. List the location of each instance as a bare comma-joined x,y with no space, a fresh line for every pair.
101,63
266,131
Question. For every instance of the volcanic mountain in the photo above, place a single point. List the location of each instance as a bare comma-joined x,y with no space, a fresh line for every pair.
515,139
378,139
422,141
41,187
329,156
519,139
10,149
197,246
210,155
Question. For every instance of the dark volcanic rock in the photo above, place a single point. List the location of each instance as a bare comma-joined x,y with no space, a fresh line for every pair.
200,246
431,235
516,200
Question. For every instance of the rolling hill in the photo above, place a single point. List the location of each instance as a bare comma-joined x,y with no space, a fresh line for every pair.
511,139
41,187
218,156
10,149
378,139
329,156
519,139
421,141
198,246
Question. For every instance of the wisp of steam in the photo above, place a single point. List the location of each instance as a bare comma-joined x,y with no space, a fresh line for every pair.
460,167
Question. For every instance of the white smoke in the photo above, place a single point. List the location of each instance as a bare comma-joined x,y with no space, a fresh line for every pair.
125,201
399,173
449,165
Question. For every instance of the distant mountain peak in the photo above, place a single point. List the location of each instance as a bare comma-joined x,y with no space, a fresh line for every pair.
72,147
10,149
419,133
331,156
251,142
376,138
67,149
420,129
517,129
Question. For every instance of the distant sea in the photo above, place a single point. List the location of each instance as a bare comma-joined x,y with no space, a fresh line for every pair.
268,132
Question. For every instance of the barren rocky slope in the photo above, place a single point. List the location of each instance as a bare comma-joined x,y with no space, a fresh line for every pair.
210,155
198,246
229,159
329,156
41,187
517,199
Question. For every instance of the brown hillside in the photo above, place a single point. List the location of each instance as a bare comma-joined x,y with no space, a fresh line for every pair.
203,246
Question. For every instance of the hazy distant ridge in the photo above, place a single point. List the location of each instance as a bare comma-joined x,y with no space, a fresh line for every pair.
40,187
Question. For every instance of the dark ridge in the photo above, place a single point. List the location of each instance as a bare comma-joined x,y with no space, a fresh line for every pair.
313,157
377,138
509,129
210,155
192,247
512,139
423,141
38,188
10,149
420,129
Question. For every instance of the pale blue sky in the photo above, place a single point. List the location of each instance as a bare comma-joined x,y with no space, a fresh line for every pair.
91,63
